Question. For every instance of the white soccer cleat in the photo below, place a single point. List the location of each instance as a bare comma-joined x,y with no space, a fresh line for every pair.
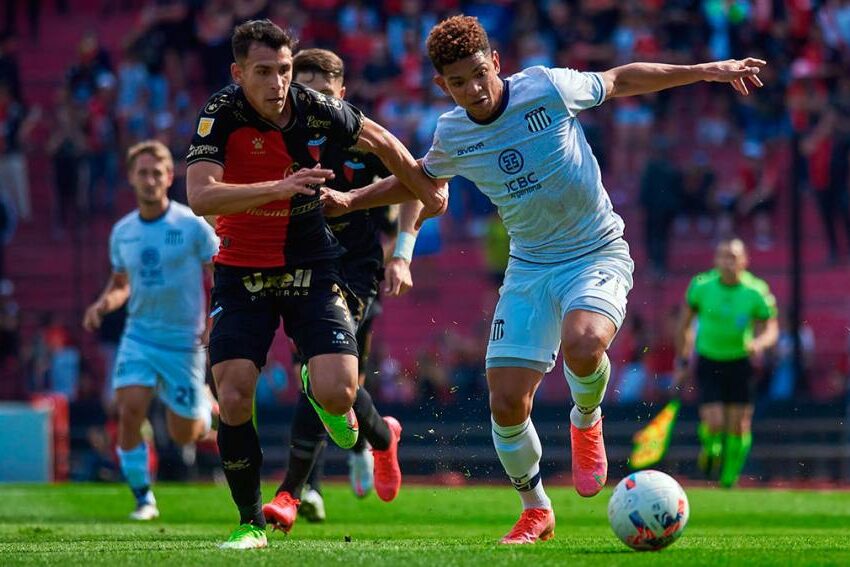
145,513
361,472
312,506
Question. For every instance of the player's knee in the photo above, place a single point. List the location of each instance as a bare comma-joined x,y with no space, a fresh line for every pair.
235,404
185,435
583,351
131,413
336,398
509,410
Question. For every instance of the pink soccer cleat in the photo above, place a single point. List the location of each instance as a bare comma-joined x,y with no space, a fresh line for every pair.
533,524
590,463
387,470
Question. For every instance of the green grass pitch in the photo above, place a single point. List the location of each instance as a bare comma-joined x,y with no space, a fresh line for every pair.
85,525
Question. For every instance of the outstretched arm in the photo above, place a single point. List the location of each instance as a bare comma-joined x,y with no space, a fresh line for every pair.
642,78
208,195
376,139
387,191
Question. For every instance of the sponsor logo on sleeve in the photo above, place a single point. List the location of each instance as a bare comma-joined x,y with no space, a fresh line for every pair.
201,150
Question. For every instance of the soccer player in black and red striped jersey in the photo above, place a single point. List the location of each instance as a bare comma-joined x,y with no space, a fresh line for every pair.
255,163
360,233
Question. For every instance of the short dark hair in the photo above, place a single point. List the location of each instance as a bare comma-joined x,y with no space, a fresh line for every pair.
321,61
264,32
454,39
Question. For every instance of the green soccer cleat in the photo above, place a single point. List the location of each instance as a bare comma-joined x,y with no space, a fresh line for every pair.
341,428
246,536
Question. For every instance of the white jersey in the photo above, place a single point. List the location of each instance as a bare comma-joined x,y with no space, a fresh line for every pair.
164,259
533,162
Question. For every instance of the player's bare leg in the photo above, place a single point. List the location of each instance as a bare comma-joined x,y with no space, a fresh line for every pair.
585,336
518,446
330,382
133,404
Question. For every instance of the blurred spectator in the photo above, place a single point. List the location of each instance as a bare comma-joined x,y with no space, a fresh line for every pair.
412,24
244,10
67,149
15,126
92,63
11,385
10,74
828,150
102,145
432,377
631,378
8,223
753,194
782,386
698,197
379,73
52,359
660,198
272,384
214,25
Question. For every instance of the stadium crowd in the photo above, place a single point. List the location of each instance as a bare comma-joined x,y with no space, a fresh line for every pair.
692,159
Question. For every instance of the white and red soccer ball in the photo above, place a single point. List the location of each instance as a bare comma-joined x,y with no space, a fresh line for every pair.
648,510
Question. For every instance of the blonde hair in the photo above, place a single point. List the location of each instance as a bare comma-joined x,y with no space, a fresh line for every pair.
154,148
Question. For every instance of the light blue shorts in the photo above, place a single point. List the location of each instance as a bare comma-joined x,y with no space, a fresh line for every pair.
179,376
535,298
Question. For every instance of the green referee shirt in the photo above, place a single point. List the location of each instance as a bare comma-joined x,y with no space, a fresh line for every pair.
726,313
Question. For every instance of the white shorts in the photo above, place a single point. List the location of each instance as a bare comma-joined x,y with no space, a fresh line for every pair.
178,375
535,298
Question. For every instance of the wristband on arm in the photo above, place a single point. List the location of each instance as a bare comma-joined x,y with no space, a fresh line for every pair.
404,245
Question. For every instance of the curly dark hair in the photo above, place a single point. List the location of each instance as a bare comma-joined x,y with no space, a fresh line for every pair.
454,39
264,32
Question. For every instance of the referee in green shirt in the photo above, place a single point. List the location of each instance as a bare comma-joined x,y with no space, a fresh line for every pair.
736,322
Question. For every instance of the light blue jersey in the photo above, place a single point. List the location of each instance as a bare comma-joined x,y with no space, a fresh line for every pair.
533,162
164,261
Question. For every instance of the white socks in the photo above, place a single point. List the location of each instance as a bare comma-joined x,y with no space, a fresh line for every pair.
587,393
519,450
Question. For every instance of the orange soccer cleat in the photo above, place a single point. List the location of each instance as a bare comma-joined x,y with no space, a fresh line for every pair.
387,471
533,524
590,463
281,512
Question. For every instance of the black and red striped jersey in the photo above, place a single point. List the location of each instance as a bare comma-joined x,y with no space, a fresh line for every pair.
358,232
252,149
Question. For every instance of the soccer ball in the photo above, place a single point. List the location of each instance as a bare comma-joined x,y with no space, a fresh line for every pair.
648,510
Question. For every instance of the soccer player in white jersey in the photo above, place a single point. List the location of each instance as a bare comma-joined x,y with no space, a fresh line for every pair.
159,253
519,141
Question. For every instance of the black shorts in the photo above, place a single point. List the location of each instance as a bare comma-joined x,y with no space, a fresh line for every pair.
726,381
248,304
364,311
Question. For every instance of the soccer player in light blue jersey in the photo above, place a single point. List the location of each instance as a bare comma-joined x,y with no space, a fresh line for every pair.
518,139
159,253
